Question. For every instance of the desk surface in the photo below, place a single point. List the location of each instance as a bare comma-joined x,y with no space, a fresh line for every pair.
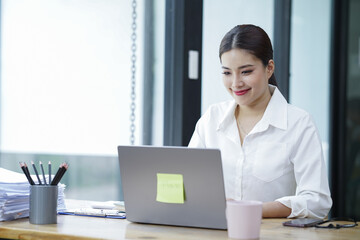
77,227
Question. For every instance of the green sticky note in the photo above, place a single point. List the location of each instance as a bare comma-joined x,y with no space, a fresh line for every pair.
170,188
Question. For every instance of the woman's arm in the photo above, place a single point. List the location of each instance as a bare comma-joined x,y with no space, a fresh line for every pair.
312,198
275,210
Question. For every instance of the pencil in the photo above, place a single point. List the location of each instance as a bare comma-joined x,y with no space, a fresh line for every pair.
49,172
43,173
25,172
65,167
36,172
57,174
28,173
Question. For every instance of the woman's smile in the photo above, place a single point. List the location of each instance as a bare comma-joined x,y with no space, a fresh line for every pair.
241,92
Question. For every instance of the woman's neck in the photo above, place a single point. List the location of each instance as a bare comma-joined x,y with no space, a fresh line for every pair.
257,108
247,116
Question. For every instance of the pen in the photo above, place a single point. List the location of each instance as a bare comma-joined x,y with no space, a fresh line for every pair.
36,172
28,173
43,173
49,172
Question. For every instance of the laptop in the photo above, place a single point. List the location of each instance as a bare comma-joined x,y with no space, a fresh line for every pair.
151,183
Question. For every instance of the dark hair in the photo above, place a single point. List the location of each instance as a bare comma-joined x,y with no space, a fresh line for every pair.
251,38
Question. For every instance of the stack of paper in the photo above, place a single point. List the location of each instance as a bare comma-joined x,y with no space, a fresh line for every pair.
14,195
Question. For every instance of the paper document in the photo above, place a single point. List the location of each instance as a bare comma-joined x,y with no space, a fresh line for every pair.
91,212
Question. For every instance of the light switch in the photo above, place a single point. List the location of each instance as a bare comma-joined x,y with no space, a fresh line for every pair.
193,70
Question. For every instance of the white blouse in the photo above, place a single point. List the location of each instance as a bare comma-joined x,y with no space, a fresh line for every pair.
281,159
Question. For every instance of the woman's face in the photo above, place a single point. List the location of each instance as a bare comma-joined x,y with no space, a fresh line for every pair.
245,77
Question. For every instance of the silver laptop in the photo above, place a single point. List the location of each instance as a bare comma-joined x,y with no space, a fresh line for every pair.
202,178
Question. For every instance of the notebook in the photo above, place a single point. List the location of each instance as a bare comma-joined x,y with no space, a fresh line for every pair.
173,186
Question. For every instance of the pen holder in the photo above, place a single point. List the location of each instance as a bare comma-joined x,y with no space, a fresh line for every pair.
43,204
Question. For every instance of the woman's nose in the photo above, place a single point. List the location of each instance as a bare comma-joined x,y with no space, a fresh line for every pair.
237,81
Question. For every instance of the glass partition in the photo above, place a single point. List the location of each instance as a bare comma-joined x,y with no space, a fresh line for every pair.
310,62
352,128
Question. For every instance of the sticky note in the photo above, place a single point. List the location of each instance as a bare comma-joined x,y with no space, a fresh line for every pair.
170,188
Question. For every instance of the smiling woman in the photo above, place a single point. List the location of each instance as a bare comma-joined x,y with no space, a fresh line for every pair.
271,150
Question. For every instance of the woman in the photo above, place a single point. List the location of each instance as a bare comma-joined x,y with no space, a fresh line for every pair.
271,150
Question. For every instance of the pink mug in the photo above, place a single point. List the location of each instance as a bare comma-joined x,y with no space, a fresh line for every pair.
243,219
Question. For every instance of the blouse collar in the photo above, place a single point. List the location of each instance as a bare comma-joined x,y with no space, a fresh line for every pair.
275,115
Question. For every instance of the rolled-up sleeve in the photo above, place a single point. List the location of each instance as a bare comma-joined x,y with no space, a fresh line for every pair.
312,197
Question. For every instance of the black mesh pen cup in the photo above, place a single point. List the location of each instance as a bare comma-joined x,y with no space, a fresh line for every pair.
43,204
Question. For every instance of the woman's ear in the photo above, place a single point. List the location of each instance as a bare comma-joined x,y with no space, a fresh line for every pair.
270,68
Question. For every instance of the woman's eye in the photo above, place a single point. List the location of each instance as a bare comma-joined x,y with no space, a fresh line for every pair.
226,73
246,72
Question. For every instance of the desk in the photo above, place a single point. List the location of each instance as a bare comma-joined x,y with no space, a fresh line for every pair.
76,227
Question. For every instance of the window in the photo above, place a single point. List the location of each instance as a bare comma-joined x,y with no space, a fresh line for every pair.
65,88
